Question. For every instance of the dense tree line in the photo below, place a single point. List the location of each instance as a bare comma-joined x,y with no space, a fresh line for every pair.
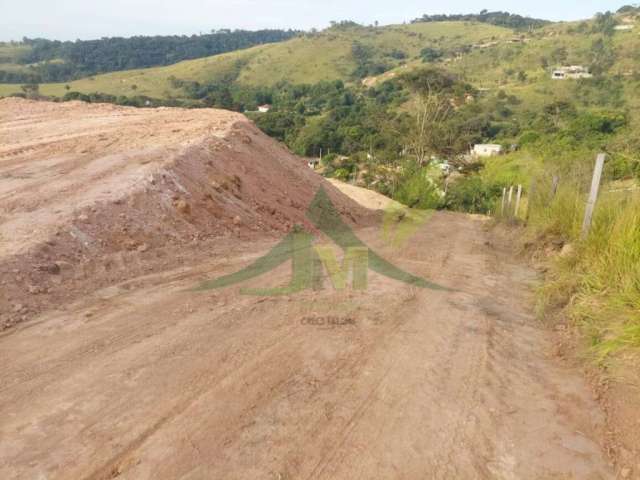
62,61
500,19
350,120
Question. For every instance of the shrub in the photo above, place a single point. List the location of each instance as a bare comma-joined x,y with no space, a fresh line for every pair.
416,189
473,195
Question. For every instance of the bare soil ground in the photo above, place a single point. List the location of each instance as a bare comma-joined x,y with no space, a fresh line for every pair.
367,198
86,189
119,369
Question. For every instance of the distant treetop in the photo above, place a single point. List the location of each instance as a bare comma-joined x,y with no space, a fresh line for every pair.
629,9
500,19
344,24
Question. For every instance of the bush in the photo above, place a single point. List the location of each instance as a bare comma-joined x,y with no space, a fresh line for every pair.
415,189
472,195
429,54
529,137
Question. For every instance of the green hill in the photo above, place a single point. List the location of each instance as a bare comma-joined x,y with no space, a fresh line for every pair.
328,55
485,55
41,60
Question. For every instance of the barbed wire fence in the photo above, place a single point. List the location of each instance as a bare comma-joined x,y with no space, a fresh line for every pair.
567,198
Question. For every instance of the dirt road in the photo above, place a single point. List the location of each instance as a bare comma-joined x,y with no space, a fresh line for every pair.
149,380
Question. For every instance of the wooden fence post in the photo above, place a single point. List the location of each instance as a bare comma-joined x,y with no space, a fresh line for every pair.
518,197
554,186
509,210
504,199
532,191
593,195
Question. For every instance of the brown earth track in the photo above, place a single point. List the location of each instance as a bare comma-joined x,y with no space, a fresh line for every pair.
123,371
154,381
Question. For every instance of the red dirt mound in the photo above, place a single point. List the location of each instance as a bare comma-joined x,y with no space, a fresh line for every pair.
93,194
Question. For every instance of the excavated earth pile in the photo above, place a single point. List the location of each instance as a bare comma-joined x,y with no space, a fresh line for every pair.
93,194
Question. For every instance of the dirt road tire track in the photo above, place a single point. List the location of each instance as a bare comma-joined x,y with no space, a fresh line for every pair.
161,383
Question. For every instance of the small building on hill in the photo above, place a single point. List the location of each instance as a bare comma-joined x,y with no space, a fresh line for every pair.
486,150
264,108
623,28
573,72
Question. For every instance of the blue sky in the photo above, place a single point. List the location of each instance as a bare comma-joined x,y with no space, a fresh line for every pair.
85,19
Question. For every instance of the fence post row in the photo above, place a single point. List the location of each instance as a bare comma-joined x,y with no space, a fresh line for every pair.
591,201
507,201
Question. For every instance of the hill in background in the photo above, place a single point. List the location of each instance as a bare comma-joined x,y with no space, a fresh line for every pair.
40,60
345,52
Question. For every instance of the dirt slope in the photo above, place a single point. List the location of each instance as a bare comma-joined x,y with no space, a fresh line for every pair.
86,188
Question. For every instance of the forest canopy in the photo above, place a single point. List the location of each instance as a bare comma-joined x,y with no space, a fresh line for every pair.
57,61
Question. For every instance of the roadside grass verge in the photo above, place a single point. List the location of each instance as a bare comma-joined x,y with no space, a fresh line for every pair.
596,281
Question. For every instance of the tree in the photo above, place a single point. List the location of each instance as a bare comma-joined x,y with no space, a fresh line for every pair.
560,55
432,131
605,23
558,111
627,9
603,56
429,80
544,63
503,19
429,54
427,135
31,89
522,76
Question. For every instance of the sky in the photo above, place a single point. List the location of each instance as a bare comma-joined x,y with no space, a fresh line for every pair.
88,19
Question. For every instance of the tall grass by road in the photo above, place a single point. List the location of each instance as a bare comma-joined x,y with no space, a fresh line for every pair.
596,281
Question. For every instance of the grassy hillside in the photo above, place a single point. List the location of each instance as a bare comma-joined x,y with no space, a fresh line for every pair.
309,59
486,56
46,61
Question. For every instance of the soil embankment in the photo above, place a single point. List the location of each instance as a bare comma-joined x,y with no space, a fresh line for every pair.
92,194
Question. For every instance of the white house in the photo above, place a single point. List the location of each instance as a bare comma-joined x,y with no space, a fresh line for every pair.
573,72
486,150
264,108
445,166
623,28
